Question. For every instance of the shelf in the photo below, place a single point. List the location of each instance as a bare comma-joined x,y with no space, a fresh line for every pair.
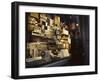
45,37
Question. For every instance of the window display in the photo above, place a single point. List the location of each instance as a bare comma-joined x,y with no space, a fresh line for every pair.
53,42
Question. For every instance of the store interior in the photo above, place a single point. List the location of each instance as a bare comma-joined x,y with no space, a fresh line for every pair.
56,40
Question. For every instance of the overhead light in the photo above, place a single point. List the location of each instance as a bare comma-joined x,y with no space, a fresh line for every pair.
77,24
